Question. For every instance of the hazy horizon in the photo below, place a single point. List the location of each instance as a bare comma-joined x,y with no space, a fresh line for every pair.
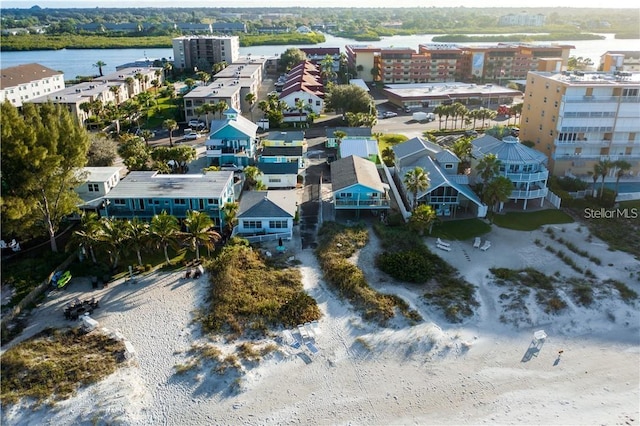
503,4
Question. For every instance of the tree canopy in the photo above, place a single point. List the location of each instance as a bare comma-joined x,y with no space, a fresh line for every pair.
349,98
291,57
43,151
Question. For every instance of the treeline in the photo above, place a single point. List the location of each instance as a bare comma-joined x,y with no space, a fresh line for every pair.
461,38
25,42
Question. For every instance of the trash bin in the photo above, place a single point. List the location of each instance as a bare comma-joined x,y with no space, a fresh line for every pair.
94,282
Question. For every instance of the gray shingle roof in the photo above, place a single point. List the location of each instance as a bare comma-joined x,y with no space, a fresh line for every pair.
352,170
350,131
285,136
278,168
284,151
412,147
271,204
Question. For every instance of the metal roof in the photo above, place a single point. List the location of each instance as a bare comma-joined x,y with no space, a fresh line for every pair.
508,150
278,168
154,185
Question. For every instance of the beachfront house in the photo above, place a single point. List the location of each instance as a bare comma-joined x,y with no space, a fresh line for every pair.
449,193
144,194
278,175
356,185
232,140
350,133
524,166
266,215
98,182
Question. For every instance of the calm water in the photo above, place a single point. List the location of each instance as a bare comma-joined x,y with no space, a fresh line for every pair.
79,62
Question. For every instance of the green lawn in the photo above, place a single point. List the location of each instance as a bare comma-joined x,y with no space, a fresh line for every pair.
165,108
530,221
390,140
460,229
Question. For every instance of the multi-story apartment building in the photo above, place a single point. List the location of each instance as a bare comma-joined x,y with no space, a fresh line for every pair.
577,119
498,61
620,61
193,51
522,20
23,83
444,62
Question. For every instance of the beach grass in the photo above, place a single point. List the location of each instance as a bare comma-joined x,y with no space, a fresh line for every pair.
53,364
250,295
530,221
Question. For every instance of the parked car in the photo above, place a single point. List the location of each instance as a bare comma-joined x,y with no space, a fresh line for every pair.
197,124
192,136
389,114
230,167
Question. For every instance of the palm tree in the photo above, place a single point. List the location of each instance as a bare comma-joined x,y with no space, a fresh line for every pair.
230,211
251,174
146,135
300,107
116,93
416,180
190,83
170,125
113,235
488,167
167,67
221,106
250,98
439,111
388,156
603,167
422,218
497,191
138,233
339,135
203,76
206,109
200,231
622,167
99,65
165,231
88,234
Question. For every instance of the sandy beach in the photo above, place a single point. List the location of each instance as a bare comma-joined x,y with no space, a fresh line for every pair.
434,372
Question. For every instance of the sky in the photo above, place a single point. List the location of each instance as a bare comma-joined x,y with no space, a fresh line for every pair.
325,3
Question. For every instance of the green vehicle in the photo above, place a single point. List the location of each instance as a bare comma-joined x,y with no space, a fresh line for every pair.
61,279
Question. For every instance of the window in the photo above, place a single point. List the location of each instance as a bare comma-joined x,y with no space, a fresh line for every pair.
119,202
545,100
555,104
318,103
93,187
179,202
448,166
542,113
212,201
275,180
344,195
252,224
278,224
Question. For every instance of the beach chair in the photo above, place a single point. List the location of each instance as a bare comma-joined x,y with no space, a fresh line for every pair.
3,245
443,247
290,340
485,246
476,242
309,329
312,348
316,327
303,333
442,243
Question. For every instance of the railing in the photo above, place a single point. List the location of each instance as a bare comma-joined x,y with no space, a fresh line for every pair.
528,177
536,193
361,203
263,237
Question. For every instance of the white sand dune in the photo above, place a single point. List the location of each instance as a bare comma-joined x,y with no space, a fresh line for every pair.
431,373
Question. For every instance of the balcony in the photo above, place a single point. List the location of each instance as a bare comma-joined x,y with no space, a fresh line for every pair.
528,177
363,204
527,195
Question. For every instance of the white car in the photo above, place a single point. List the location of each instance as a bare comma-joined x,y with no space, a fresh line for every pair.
196,123
192,136
230,167
389,114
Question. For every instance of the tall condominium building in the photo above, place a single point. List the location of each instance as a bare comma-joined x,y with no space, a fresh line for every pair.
618,60
22,83
577,119
203,51
445,62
